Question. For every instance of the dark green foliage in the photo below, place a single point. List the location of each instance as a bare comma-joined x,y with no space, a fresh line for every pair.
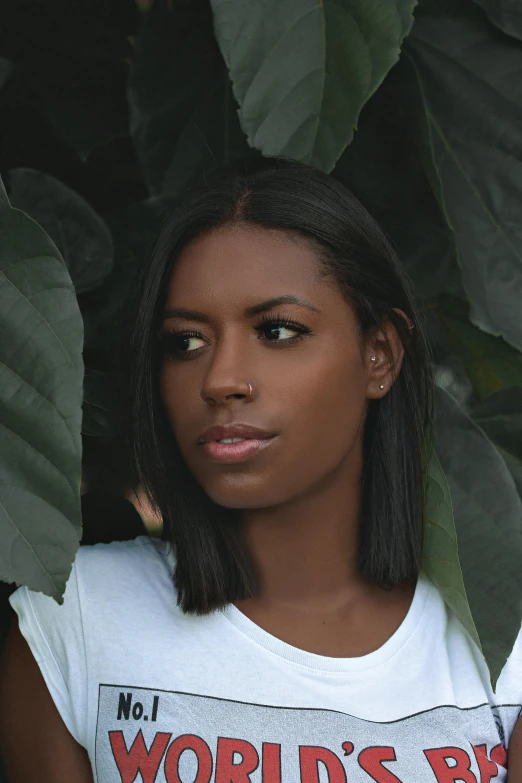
41,336
181,124
302,70
469,80
80,235
488,527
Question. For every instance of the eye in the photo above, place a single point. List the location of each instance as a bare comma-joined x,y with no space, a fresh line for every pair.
177,343
280,323
173,342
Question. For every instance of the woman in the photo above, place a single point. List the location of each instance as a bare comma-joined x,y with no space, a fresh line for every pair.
282,630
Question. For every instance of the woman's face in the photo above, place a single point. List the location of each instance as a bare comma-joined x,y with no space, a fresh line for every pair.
312,391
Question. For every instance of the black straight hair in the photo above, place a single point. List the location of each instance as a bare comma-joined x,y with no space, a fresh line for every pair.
213,567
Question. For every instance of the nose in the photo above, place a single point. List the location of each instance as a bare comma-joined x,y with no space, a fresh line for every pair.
219,394
227,377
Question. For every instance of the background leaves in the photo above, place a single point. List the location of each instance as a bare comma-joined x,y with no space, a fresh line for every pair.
440,559
41,395
505,14
488,531
465,65
490,363
81,236
291,62
181,125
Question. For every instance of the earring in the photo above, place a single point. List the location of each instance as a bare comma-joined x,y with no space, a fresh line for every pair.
381,386
372,358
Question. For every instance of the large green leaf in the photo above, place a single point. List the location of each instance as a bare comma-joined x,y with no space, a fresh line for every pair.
302,70
78,232
490,362
464,65
488,520
41,340
514,466
506,14
183,113
500,416
440,557
384,170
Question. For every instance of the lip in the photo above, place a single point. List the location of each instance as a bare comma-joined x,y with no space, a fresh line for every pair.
235,452
234,431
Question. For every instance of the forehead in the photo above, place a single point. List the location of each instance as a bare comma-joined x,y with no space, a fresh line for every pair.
243,261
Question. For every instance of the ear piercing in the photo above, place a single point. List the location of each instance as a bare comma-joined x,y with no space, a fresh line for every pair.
372,359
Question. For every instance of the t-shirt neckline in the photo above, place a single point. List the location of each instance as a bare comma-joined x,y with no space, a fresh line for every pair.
295,655
424,590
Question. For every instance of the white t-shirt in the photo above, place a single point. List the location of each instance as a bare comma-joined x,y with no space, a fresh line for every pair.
157,696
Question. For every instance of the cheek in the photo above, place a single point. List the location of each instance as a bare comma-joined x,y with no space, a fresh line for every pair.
173,399
322,429
329,419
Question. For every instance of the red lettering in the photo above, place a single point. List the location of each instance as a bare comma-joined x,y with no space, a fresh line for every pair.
445,773
138,758
196,745
370,759
309,759
487,768
499,756
226,770
271,764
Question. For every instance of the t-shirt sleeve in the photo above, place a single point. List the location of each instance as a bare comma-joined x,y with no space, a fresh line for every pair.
55,636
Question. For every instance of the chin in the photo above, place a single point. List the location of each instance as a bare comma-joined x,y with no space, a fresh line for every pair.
243,495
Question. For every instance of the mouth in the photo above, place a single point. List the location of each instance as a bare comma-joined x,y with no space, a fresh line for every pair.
239,451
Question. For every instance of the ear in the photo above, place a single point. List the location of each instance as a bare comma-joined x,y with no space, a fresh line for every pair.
386,345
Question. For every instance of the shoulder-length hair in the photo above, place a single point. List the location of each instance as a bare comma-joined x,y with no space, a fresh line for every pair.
213,567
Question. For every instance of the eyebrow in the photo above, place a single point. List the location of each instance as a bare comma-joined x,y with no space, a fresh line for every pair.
194,315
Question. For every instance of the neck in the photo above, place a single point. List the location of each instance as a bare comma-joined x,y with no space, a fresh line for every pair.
306,551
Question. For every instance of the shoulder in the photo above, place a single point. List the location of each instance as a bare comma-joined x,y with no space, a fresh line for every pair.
117,559
471,673
123,551
108,583
101,574
444,632
125,572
